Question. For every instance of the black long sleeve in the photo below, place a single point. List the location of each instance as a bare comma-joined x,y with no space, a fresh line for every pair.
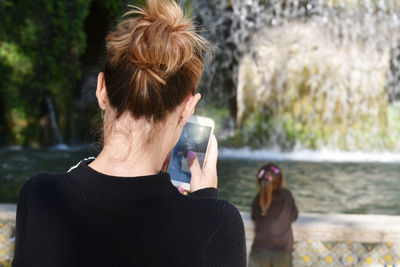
22,221
85,218
229,241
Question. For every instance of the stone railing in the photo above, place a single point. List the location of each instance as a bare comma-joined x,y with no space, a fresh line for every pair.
320,239
7,233
342,239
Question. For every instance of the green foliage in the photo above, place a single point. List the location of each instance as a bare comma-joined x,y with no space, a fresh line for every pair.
315,106
15,59
188,8
393,124
41,44
41,48
385,5
218,114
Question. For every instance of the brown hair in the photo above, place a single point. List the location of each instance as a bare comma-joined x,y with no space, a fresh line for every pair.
270,180
154,60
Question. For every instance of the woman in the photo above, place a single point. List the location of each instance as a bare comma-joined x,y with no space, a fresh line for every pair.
273,212
119,209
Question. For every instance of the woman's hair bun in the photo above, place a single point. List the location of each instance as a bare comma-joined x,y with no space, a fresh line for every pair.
154,60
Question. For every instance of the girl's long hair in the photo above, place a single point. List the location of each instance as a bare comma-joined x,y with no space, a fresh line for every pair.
270,180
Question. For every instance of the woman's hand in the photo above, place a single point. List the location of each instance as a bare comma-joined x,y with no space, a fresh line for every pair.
182,190
206,177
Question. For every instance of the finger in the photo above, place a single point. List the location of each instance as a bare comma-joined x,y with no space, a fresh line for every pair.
194,164
180,189
212,156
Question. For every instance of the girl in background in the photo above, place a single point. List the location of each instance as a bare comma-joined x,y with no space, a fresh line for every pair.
273,212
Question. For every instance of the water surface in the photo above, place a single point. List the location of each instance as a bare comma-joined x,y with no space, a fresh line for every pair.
322,187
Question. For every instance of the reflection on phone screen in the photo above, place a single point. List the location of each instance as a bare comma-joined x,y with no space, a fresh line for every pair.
194,137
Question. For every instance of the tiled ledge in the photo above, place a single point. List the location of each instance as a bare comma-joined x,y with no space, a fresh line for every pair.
321,227
7,212
340,227
320,239
341,240
7,232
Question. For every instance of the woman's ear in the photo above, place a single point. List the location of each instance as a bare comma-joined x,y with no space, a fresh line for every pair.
189,107
101,91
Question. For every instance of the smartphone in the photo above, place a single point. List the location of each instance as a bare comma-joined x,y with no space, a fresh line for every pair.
196,136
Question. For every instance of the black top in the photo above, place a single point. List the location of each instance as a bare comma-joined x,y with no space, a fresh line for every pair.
85,218
274,230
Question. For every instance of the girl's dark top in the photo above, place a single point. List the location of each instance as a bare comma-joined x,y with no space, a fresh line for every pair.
85,218
274,230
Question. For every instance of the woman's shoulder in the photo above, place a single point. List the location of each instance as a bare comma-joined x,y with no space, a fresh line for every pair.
216,209
230,211
222,206
256,198
286,192
43,183
46,179
228,216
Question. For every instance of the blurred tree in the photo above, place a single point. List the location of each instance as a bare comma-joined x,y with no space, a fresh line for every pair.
41,44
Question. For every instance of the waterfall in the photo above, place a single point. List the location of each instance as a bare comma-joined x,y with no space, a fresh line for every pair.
57,137
320,74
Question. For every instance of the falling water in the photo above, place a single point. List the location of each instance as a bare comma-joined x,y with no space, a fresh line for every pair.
53,120
315,74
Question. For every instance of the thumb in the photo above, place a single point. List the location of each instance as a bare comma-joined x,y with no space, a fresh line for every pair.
194,165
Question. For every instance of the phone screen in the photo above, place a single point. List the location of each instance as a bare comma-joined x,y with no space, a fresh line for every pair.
194,137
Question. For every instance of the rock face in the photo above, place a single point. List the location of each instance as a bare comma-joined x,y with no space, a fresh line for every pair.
313,74
229,25
299,88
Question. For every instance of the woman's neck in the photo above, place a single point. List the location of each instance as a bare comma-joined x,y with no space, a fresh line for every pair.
130,163
128,152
